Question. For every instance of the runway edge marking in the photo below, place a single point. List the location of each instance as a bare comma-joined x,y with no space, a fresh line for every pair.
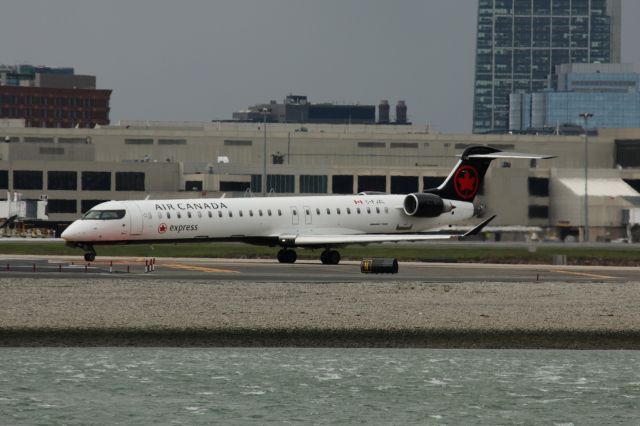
584,274
196,268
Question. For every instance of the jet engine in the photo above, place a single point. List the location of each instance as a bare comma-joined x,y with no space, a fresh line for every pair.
425,205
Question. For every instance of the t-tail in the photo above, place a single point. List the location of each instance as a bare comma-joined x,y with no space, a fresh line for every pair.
467,176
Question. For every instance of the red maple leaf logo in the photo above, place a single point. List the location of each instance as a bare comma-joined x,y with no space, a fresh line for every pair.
162,228
466,182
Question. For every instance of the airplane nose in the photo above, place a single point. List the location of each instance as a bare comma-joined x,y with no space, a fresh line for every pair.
71,233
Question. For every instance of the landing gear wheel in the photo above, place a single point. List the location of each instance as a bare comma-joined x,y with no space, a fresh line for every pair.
330,257
287,256
89,257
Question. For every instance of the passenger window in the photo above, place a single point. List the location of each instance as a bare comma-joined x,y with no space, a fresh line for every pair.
159,215
230,213
179,215
240,211
210,214
295,212
219,214
269,212
348,210
338,210
358,210
260,212
168,215
279,212
369,210
189,215
199,213
308,212
378,210
328,210
251,213
318,212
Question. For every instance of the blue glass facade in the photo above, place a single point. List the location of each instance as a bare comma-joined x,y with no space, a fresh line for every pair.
612,97
520,42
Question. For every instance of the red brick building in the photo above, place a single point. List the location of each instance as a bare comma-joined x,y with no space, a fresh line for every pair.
55,107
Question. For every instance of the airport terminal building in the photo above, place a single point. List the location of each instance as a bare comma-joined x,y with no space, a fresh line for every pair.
77,168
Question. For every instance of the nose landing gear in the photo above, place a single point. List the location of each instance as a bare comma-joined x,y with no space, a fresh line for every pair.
90,253
90,257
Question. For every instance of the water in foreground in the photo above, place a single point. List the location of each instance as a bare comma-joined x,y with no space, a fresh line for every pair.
317,386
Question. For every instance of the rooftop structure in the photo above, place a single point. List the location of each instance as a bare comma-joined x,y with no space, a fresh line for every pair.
298,109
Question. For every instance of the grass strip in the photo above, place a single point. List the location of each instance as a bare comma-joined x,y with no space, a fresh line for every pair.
614,255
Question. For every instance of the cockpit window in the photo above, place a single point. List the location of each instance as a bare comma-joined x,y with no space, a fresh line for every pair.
104,214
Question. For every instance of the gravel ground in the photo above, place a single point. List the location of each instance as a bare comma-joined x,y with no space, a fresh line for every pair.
215,313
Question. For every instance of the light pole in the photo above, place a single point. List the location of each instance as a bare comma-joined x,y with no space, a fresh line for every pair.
586,116
264,153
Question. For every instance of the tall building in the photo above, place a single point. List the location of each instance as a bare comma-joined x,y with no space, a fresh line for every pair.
52,97
520,42
610,91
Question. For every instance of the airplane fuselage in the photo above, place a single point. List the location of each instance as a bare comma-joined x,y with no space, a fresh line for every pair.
270,221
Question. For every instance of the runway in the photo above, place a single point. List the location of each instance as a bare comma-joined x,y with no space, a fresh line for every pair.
305,271
61,301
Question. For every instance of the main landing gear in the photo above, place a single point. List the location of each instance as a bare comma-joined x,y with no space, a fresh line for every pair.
287,256
328,257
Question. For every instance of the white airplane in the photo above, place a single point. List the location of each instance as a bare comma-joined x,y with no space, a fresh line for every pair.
325,222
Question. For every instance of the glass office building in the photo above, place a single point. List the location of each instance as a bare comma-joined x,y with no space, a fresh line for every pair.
611,92
520,42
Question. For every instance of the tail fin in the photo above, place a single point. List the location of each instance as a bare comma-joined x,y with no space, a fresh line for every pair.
467,176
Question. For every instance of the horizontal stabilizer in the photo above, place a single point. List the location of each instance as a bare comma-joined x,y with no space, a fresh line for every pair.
514,155
478,228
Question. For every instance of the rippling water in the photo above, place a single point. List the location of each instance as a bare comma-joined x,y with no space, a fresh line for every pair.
317,386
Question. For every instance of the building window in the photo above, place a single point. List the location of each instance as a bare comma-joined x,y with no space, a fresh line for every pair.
281,183
430,182
404,184
96,181
138,141
86,205
413,145
62,180
539,212
342,184
129,181
313,184
172,142
372,183
372,145
539,187
234,186
62,206
193,185
27,179
4,179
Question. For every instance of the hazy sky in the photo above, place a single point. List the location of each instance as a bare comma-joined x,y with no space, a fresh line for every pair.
198,60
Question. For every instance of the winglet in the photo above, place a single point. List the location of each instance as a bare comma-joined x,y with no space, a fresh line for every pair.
477,228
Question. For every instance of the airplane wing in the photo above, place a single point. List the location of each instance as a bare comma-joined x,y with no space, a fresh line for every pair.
319,240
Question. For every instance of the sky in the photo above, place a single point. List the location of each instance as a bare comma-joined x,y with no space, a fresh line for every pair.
200,60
